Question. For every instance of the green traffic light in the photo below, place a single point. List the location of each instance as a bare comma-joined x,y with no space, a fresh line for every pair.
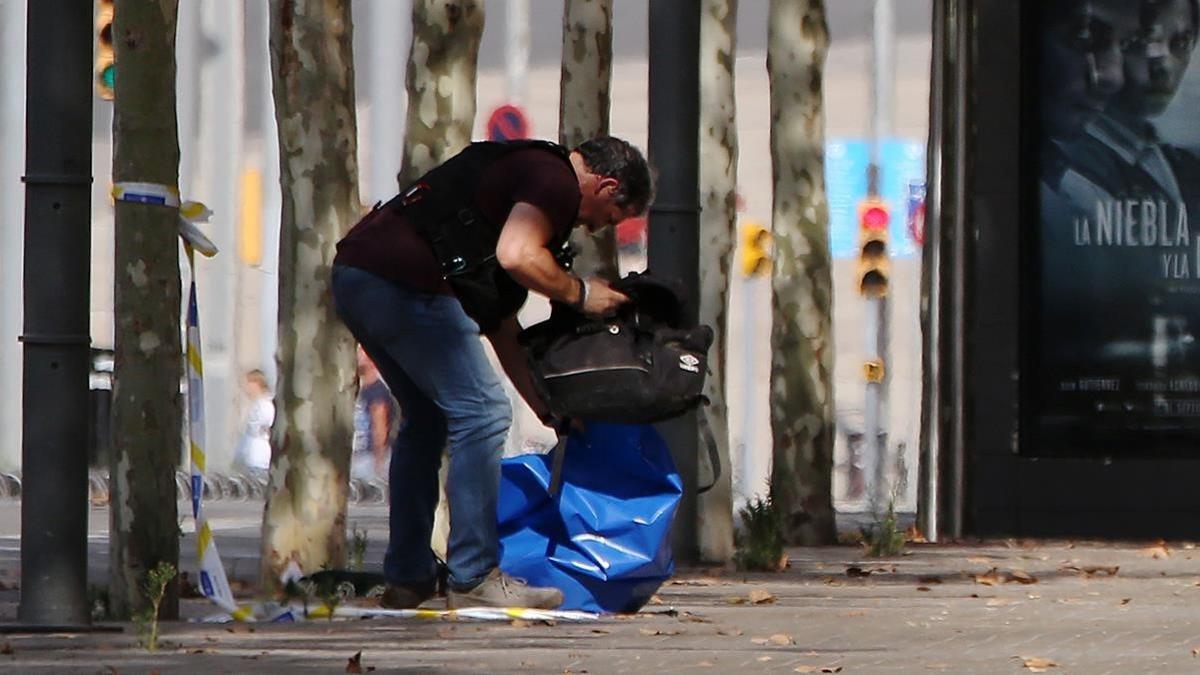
108,76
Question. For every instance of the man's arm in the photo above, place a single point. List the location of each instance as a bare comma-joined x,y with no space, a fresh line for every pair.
512,359
521,251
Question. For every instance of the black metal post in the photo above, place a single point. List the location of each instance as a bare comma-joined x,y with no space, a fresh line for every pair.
674,246
931,283
58,165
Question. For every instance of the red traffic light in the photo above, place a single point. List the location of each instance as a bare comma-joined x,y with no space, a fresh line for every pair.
875,217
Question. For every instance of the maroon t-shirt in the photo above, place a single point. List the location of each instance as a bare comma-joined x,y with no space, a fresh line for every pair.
387,245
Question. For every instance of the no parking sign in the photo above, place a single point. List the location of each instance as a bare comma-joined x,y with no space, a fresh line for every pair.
507,123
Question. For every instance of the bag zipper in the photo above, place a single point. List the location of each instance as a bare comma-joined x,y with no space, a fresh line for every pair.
580,371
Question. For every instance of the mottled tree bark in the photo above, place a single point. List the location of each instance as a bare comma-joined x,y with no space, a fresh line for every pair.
583,111
147,408
718,221
441,82
442,68
313,80
802,420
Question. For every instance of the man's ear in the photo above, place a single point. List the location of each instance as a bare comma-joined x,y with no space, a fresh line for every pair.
607,185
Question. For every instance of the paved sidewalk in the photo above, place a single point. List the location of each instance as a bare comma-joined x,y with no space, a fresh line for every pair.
934,609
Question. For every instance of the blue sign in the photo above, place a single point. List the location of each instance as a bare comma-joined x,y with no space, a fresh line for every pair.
902,163
845,186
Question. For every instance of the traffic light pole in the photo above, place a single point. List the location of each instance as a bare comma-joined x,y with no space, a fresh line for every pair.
876,308
875,405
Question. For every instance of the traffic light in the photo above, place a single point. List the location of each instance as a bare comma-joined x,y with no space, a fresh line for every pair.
755,241
873,264
106,65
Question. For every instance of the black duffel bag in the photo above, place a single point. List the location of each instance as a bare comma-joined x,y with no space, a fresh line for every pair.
643,365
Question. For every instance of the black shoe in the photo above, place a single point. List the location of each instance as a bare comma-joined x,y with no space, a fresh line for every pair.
407,596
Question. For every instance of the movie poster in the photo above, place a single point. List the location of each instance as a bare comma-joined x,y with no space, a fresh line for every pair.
1116,364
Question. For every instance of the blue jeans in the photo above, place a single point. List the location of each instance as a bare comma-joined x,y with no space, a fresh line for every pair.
428,351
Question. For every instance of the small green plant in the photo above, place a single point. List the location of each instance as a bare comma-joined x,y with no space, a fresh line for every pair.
154,588
760,544
884,538
327,589
358,548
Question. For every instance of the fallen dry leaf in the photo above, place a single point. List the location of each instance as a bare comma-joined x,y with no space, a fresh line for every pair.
854,571
782,640
764,658
924,588
760,597
913,535
989,578
1125,601
817,669
1037,664
730,632
760,640
354,664
929,580
996,576
655,600
1195,652
1158,551
601,631
694,618
782,563
658,631
739,600
1021,576
520,623
1092,571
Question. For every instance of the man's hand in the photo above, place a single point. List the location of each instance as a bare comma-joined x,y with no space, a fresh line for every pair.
600,299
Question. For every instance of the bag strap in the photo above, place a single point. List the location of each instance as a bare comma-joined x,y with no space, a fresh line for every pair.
714,459
559,456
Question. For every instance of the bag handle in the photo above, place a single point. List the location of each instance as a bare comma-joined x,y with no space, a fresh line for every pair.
714,458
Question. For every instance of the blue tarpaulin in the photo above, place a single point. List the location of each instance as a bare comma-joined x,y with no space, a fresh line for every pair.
605,538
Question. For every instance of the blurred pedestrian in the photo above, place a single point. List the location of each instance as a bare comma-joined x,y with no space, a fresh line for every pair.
253,450
374,421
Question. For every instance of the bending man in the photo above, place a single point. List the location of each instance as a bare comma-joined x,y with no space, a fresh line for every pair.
418,279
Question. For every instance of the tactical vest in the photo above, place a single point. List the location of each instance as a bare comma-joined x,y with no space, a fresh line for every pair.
441,205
